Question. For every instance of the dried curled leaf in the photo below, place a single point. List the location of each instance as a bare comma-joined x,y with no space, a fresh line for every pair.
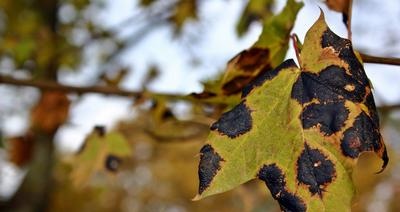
20,149
50,112
300,130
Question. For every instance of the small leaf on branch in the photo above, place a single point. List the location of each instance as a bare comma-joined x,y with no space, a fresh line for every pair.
300,130
100,152
267,53
254,11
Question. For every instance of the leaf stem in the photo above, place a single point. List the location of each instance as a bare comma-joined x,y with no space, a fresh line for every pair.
296,47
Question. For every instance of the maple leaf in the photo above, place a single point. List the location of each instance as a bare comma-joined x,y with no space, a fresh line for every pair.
300,130
100,151
268,52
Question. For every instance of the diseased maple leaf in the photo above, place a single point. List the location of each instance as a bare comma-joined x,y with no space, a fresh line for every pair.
300,130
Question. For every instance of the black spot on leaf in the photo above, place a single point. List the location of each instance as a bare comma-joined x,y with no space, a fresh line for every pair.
362,136
275,180
344,48
235,85
330,117
208,166
248,62
112,163
331,84
234,122
252,59
267,74
315,170
100,130
373,114
203,95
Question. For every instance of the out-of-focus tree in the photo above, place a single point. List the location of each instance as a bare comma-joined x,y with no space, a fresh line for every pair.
148,163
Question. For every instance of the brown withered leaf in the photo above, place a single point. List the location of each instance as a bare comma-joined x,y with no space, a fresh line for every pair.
50,112
20,149
341,6
267,53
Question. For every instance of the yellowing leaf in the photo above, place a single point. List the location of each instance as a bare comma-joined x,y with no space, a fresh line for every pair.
267,53
100,152
183,11
255,10
300,130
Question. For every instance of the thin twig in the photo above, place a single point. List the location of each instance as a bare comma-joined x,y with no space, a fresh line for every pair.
53,86
380,60
389,107
349,13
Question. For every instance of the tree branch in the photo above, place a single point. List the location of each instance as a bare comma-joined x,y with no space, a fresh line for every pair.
53,86
349,14
380,60
389,107
106,90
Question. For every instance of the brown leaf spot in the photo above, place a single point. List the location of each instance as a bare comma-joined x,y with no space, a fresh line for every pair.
275,180
249,60
267,75
235,85
234,122
315,170
244,67
112,163
210,163
203,95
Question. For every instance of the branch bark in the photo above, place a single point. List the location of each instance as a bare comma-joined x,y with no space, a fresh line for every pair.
380,60
106,90
118,92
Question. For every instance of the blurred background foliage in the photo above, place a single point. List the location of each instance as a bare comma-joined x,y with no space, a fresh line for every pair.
147,162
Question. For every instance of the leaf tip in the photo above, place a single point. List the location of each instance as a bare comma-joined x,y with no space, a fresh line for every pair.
196,198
